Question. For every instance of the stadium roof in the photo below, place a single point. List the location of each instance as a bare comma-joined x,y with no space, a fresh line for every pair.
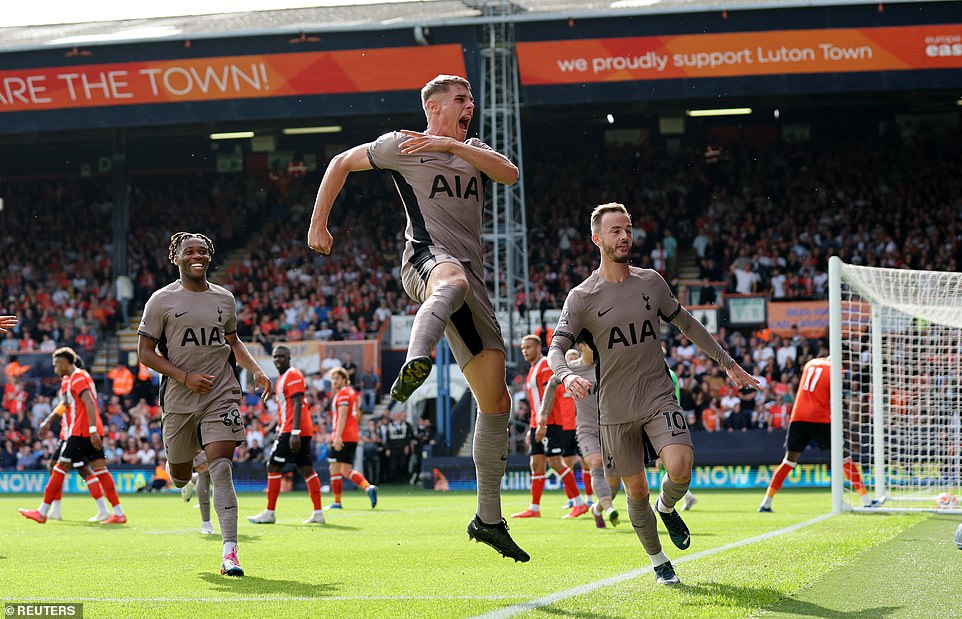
361,17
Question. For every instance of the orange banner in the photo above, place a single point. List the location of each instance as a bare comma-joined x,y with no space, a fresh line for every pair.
737,54
231,77
811,317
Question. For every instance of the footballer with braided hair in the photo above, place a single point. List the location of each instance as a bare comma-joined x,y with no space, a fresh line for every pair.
189,335
178,237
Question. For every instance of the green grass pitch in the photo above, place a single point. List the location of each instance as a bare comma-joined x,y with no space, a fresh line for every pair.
411,558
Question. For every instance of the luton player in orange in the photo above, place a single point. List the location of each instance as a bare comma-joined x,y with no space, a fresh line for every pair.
546,438
93,483
293,443
344,438
810,421
83,445
566,415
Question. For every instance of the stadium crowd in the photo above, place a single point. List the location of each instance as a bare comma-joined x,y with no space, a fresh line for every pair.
285,291
752,221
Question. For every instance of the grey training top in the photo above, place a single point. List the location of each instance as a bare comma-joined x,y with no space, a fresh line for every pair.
443,197
621,323
190,329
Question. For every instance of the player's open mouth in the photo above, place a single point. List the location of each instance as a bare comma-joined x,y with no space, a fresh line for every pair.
198,265
464,122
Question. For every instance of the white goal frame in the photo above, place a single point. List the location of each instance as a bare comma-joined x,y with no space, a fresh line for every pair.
904,428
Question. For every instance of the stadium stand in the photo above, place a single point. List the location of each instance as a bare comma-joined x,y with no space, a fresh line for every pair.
776,215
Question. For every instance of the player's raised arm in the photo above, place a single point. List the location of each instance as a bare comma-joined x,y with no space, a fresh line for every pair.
493,164
352,160
699,335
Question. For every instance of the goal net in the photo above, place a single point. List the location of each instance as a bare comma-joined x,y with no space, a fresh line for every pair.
896,397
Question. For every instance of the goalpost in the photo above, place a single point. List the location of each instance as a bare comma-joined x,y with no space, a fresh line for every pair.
896,345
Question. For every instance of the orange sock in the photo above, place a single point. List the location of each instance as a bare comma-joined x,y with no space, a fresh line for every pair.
273,489
94,488
537,489
568,480
337,487
853,474
54,485
107,481
358,480
779,477
314,489
586,480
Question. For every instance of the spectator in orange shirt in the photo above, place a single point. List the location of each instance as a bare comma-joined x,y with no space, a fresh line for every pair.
122,380
161,479
14,369
710,417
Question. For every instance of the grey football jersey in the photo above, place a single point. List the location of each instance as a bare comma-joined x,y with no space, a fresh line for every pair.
620,321
443,197
190,329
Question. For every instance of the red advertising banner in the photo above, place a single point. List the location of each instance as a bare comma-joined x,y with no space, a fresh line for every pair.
811,318
902,48
230,77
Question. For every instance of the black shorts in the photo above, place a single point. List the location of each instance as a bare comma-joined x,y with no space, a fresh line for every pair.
345,454
552,445
281,451
569,443
801,433
80,451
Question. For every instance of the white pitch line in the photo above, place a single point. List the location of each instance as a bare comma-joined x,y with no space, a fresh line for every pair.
517,609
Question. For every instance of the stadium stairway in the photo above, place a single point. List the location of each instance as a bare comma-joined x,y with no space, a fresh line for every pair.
687,272
687,264
233,259
124,341
384,404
